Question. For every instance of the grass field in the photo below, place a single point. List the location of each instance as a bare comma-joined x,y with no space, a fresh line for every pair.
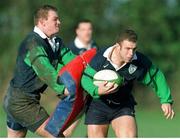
151,123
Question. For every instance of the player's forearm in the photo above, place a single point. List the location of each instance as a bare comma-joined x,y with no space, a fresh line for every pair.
37,58
155,78
87,82
66,55
47,74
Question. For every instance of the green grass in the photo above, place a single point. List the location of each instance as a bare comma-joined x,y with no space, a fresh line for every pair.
151,123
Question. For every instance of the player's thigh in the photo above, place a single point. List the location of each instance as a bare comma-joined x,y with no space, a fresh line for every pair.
16,133
24,109
42,132
97,131
125,126
68,132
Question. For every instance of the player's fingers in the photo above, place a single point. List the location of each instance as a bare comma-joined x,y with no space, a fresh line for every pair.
112,89
105,83
172,115
165,110
168,114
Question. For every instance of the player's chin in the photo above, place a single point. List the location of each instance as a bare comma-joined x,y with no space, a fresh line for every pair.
128,60
57,29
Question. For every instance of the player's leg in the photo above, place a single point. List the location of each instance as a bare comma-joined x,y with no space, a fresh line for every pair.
16,133
97,131
25,112
15,130
42,132
124,125
68,132
97,118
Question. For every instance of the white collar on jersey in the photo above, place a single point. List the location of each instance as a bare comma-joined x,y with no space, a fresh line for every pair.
80,45
43,35
39,32
106,55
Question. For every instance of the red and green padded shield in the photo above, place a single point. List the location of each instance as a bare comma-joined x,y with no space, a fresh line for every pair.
70,107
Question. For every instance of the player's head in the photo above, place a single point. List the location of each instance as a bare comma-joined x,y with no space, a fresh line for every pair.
46,18
126,43
84,30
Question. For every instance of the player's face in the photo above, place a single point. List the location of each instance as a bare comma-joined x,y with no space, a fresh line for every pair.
127,50
84,32
51,24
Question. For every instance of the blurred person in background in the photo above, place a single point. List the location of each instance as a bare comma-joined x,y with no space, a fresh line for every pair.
83,40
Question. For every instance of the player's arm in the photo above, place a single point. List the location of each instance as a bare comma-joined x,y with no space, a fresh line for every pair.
156,79
37,58
94,91
66,56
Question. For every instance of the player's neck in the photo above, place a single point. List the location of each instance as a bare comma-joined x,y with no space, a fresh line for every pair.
84,42
114,56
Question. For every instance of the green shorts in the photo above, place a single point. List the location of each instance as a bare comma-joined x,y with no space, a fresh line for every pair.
24,110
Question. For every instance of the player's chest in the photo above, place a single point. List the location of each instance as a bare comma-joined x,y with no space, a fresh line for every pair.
129,71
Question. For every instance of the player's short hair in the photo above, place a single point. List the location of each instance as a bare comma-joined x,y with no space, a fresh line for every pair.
82,21
42,12
127,34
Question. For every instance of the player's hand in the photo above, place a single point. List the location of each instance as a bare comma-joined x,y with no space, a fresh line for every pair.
168,111
64,95
66,92
106,88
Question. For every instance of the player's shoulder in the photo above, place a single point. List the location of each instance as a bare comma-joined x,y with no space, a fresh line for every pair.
33,39
99,55
141,56
98,59
143,59
71,45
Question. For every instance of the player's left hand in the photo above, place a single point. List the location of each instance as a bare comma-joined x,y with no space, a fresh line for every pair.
66,92
168,111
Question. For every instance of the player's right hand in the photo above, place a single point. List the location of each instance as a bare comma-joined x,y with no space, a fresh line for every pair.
105,88
168,110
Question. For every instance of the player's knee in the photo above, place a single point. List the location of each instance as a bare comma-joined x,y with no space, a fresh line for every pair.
126,134
16,134
97,133
69,131
42,132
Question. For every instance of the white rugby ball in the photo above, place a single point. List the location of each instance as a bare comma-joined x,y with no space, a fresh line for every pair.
107,75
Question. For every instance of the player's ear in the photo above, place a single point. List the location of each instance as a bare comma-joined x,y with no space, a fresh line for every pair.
118,45
77,31
42,21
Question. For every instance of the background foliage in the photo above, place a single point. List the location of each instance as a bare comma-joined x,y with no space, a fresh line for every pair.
157,23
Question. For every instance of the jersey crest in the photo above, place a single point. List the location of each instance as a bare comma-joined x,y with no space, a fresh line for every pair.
132,68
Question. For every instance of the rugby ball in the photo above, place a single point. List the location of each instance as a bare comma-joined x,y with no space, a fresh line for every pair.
107,75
